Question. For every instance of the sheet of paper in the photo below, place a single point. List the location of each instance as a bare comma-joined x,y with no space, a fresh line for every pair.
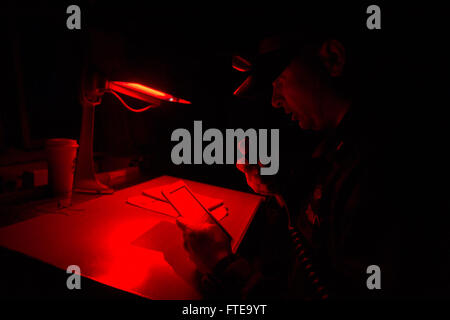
208,202
153,205
166,208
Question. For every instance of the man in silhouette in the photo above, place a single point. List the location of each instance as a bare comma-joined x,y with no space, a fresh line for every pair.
341,216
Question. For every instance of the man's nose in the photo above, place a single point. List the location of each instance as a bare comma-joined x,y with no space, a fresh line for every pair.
277,99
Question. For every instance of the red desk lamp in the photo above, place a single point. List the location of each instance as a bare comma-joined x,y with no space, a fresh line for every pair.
92,92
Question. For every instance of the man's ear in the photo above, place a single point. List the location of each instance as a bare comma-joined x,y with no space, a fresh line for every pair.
332,54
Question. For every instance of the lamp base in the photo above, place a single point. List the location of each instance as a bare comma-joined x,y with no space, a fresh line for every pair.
92,186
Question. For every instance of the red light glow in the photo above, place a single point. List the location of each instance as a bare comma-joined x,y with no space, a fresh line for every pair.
142,92
147,90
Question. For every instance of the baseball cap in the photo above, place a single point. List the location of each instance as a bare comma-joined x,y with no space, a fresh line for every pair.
274,54
276,49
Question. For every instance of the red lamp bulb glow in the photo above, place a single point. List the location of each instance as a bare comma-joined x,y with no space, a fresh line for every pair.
142,92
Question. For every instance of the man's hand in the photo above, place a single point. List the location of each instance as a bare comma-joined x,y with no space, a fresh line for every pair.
206,244
262,185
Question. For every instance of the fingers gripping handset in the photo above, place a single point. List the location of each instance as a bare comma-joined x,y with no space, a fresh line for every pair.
188,206
260,184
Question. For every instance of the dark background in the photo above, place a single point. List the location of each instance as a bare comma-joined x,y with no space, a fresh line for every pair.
186,51
181,51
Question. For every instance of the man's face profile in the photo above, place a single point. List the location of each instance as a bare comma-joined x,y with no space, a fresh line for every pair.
304,88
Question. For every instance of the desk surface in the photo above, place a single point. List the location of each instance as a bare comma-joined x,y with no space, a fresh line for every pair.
123,246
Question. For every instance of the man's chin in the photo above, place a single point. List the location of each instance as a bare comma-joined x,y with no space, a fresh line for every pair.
307,126
303,125
296,119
